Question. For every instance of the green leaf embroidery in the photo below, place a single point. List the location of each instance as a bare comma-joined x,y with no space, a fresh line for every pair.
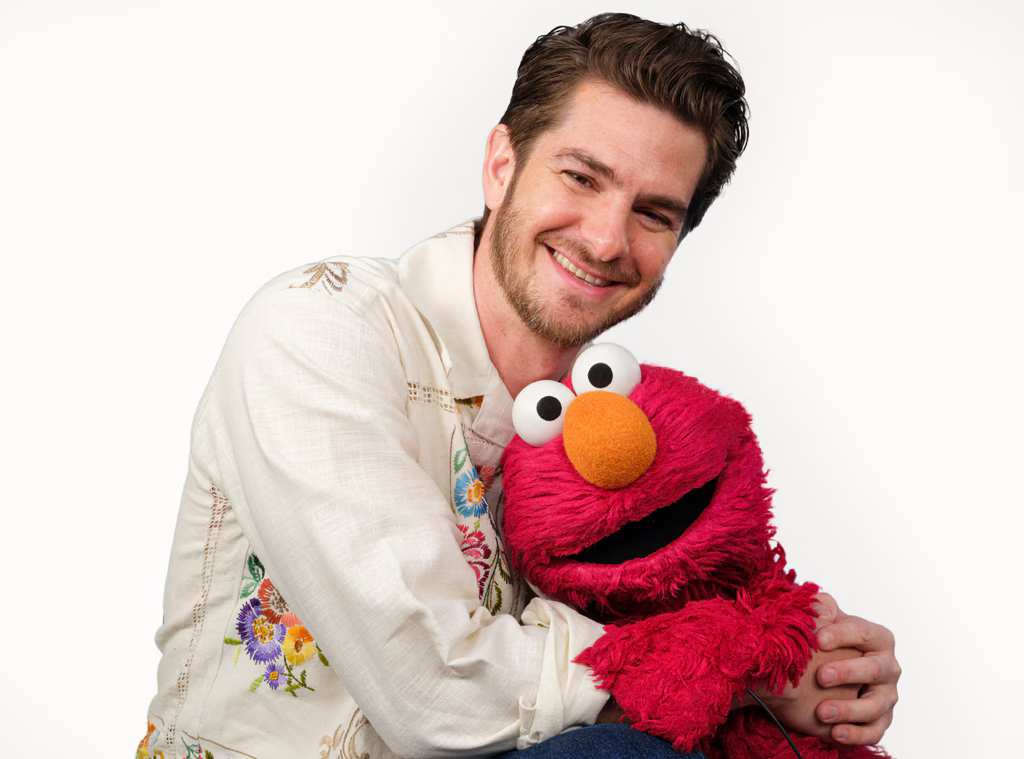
503,568
255,684
323,659
232,642
496,606
207,754
256,574
256,567
460,458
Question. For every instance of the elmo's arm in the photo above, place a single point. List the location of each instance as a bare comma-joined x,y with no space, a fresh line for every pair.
676,674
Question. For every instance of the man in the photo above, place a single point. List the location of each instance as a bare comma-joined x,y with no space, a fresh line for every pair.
337,584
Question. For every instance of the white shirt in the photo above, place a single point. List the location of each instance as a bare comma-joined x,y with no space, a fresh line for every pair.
336,586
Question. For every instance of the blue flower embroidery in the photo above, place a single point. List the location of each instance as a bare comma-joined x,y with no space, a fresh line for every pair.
469,494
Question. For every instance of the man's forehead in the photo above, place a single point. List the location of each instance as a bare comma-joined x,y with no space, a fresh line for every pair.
616,136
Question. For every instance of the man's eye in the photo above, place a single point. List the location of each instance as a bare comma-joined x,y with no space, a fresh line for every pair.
657,218
578,178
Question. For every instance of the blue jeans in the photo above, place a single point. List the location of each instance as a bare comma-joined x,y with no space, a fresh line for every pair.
609,741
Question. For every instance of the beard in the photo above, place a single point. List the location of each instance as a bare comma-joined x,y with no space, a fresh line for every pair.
510,265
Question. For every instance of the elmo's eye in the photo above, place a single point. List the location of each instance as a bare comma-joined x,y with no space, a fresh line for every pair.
539,410
606,366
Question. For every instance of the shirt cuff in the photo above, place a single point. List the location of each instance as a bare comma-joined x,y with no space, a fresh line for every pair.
567,696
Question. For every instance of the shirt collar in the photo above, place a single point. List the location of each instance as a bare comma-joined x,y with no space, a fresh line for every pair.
437,276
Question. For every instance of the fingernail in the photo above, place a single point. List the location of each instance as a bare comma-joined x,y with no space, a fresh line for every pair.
828,676
825,639
829,713
842,734
821,610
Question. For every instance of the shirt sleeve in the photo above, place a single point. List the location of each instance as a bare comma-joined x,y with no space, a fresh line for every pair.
305,421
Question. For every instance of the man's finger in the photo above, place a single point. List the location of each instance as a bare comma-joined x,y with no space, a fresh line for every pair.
863,670
826,608
855,632
862,735
875,705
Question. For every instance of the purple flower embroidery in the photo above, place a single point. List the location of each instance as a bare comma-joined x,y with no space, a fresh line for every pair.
275,675
261,637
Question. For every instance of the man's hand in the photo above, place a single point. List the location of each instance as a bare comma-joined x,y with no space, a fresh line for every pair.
874,673
796,707
852,678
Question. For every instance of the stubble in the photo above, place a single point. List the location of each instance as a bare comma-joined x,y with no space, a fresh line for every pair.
514,277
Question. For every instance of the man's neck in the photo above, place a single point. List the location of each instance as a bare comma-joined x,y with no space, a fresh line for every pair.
519,354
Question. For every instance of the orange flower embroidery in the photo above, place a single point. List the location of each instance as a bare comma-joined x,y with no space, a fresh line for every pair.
298,646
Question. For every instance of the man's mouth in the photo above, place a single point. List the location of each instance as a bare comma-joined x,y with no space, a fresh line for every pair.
635,540
582,276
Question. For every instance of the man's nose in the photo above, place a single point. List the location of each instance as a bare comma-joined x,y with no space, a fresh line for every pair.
606,230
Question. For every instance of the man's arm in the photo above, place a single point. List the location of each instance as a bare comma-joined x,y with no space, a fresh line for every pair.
307,431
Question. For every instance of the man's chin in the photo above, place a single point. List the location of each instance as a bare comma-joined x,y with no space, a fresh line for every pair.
567,332
575,327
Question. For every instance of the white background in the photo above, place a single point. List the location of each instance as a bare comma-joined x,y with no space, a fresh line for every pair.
856,287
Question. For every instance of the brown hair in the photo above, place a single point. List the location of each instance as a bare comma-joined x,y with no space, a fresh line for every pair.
669,66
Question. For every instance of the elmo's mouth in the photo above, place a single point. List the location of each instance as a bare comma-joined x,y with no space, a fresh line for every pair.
635,540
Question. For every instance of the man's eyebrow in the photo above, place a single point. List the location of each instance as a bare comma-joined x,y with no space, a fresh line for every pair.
592,163
664,202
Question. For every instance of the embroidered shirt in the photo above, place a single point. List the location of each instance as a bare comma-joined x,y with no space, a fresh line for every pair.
337,585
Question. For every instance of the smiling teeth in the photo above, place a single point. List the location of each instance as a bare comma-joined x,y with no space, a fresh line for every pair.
583,276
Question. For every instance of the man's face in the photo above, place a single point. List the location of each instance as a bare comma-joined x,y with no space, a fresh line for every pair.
591,219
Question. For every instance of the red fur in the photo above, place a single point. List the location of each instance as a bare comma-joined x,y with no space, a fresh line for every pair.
696,622
748,733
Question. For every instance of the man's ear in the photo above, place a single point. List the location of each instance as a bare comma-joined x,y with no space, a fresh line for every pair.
499,166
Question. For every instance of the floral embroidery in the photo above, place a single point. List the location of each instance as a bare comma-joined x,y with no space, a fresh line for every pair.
196,751
477,552
271,634
298,646
481,546
331,274
274,674
487,477
261,637
469,494
275,608
345,740
492,595
147,746
475,402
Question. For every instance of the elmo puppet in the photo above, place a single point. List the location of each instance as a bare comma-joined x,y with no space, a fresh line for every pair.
638,495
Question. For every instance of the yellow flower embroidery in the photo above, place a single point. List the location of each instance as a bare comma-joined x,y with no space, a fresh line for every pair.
298,645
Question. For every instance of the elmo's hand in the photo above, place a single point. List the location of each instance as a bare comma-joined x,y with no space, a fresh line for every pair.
676,674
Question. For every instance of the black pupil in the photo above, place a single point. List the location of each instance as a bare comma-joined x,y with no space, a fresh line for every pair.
600,375
549,408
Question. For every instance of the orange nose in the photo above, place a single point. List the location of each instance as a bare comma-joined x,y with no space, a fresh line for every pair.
608,439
